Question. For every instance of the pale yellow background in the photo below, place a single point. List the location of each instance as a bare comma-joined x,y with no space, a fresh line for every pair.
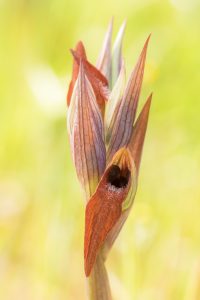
157,255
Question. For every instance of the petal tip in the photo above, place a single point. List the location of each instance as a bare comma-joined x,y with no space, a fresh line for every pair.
87,269
139,132
144,50
148,102
122,28
73,52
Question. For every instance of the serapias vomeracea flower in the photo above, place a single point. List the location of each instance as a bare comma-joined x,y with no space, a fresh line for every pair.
106,142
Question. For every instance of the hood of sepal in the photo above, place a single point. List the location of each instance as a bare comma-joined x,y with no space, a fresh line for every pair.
98,81
85,126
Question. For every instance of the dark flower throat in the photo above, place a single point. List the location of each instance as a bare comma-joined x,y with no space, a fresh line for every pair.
117,177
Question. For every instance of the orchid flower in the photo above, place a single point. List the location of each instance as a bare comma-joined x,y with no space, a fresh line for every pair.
106,142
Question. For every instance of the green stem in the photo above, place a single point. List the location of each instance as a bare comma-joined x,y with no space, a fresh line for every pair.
98,283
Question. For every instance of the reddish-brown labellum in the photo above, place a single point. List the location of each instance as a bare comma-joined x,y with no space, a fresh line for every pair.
105,206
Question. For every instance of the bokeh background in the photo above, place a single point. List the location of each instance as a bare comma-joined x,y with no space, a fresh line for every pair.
157,255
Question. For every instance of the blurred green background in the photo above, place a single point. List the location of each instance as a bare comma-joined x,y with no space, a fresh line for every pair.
157,255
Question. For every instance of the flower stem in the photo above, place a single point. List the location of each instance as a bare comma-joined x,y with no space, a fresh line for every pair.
98,283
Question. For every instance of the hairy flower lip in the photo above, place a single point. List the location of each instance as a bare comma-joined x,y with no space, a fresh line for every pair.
105,206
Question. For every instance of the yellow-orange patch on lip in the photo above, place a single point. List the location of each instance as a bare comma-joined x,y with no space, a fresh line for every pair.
122,159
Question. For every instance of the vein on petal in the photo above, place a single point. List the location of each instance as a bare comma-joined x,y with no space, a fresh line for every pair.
124,119
87,136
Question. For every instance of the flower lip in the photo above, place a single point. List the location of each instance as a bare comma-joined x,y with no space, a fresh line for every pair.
104,208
